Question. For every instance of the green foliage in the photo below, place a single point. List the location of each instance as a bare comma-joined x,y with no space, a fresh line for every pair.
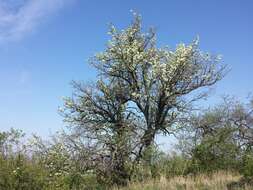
247,166
212,155
51,169
175,165
218,137
18,173
161,165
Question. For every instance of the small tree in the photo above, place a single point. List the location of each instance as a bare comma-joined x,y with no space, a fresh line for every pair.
10,142
220,137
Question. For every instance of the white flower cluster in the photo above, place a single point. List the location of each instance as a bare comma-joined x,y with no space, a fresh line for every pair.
57,161
133,56
126,51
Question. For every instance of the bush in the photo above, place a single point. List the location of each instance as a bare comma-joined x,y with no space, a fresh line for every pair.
175,165
247,168
17,173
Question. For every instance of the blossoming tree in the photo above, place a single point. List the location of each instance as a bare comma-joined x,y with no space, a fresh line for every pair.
143,91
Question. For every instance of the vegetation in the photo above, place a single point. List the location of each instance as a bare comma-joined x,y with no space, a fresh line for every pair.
220,180
143,91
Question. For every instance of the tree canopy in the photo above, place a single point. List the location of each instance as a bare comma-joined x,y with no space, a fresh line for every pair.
143,91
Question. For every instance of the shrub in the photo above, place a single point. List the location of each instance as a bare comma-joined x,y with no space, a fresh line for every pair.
247,168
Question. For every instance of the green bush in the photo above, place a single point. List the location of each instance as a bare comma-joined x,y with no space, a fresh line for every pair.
247,166
175,165
17,173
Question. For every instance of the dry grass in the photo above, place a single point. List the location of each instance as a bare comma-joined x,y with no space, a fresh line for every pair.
217,181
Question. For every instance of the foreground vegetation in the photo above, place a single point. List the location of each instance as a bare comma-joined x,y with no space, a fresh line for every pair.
216,181
41,166
143,91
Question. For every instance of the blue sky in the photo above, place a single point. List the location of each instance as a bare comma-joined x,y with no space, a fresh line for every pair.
45,44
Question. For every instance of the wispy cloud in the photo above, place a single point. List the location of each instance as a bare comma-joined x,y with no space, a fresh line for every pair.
20,17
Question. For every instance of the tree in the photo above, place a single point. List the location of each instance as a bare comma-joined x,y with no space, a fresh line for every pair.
156,79
10,142
106,129
143,91
220,137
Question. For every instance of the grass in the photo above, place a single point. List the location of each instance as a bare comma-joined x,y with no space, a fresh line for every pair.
217,181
